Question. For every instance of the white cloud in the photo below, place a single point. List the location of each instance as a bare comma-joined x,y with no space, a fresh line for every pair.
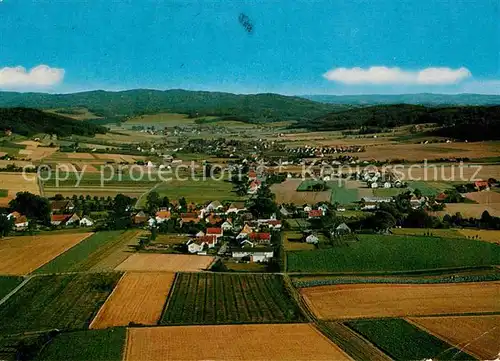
385,75
39,76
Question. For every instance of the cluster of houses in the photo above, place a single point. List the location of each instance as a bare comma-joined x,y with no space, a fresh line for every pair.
319,152
376,179
63,214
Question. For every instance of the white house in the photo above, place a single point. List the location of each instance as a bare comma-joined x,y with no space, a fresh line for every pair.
236,207
256,255
312,239
307,209
374,185
86,222
387,185
195,246
227,226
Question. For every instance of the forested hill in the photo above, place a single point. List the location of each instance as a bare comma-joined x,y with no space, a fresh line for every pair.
468,122
416,99
250,108
28,122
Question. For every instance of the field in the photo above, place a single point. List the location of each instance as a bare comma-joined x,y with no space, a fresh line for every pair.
24,254
395,253
482,234
342,193
165,263
403,341
7,284
200,191
446,233
286,192
397,300
478,335
356,346
471,210
95,345
63,302
429,188
210,298
231,343
454,172
295,245
137,298
15,182
90,253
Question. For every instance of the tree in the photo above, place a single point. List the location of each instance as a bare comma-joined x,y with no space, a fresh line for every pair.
418,193
32,206
6,225
183,204
262,203
153,202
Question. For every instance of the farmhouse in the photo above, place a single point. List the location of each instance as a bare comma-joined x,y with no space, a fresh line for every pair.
162,216
244,232
213,206
59,219
482,185
255,255
312,239
86,222
236,207
21,222
227,225
189,217
140,218
259,238
215,232
270,223
62,206
342,229
195,246
315,213
74,218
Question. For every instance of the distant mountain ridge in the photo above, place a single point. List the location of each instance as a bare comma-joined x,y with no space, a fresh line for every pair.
428,99
250,108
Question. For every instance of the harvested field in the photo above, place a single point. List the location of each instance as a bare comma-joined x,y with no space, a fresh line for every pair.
485,197
446,172
211,298
165,262
80,156
247,342
137,298
471,210
397,300
419,152
62,301
15,182
24,254
482,234
286,192
477,335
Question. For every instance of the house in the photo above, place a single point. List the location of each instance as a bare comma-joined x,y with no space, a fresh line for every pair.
342,229
195,245
73,219
14,215
140,218
374,185
255,254
312,239
210,241
482,185
213,219
260,237
236,207
416,202
20,222
307,209
59,219
284,212
271,223
246,242
214,231
200,234
369,205
254,187
387,185
441,197
189,217
62,206
213,206
252,175
86,222
162,216
315,213
227,225
244,232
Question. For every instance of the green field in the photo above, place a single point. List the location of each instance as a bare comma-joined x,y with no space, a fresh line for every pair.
196,191
62,302
378,253
306,186
95,345
82,256
446,233
201,298
343,195
429,188
403,341
388,192
8,283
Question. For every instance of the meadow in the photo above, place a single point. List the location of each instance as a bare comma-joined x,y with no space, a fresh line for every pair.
95,345
403,341
386,253
202,298
8,283
62,301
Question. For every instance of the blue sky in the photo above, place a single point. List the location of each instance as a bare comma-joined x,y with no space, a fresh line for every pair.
296,47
